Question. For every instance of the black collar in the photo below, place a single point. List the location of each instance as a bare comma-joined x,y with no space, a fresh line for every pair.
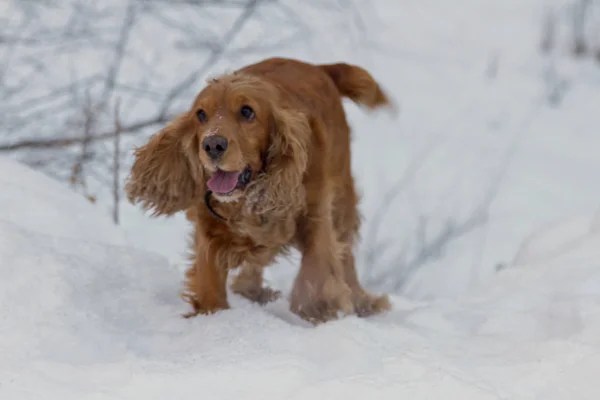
210,208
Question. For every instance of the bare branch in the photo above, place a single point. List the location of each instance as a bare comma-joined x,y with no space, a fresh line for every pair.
128,23
390,196
52,70
215,55
215,3
69,141
548,32
428,250
88,126
580,16
116,165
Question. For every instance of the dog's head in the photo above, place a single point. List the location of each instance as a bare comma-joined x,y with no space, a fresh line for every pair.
234,123
236,141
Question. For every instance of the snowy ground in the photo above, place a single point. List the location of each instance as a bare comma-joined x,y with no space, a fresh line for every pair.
90,311
86,316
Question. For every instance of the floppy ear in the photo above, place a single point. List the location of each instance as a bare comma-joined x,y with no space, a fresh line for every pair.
287,157
280,186
163,179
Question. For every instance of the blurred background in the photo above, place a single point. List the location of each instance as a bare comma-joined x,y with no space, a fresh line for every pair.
498,134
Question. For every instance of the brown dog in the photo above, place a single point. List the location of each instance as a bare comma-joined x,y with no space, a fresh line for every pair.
261,164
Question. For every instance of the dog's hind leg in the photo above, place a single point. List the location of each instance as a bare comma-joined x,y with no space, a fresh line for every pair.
347,225
365,303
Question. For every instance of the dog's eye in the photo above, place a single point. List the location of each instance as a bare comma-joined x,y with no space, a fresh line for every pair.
247,113
201,114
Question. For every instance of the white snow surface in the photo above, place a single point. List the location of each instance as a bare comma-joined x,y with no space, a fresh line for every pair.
86,316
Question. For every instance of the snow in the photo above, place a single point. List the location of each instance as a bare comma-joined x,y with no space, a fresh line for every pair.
83,318
90,311
46,206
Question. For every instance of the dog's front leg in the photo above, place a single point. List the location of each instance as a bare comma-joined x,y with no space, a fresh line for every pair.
206,280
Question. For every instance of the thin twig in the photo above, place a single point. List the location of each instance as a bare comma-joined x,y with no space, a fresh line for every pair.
88,126
116,165
128,23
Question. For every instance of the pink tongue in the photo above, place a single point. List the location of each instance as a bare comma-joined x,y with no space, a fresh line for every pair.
223,182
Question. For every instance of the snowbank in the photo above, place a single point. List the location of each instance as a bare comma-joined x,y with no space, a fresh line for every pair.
83,319
29,198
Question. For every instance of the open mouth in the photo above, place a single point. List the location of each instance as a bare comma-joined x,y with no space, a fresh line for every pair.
226,182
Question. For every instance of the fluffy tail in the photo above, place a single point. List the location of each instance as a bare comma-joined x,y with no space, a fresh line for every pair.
357,84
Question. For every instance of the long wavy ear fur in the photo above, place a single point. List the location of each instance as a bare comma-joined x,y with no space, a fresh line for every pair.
280,187
162,177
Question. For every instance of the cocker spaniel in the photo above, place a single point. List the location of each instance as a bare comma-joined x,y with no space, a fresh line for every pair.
261,164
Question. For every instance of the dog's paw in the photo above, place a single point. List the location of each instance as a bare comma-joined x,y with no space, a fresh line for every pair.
366,304
205,307
249,284
317,304
260,295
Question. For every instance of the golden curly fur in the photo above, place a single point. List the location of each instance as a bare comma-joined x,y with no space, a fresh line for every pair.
295,142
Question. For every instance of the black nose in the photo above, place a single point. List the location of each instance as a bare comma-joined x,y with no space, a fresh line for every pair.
214,146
